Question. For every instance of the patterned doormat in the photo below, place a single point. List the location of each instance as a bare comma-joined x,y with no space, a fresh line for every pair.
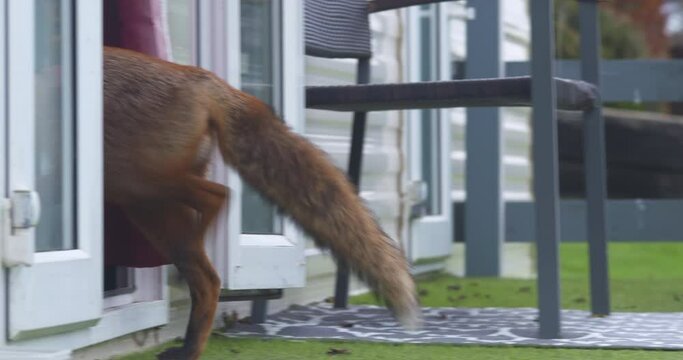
487,326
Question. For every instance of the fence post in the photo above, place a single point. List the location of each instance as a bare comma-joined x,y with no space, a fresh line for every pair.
484,206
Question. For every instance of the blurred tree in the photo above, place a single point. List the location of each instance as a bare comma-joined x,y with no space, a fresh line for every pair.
622,23
620,38
646,16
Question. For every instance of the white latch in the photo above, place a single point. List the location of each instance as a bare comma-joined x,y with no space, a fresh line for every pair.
25,209
20,215
417,191
416,194
470,13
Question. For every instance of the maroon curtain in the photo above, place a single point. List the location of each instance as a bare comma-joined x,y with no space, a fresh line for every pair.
135,25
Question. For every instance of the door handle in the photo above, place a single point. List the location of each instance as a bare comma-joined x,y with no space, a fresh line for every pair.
25,209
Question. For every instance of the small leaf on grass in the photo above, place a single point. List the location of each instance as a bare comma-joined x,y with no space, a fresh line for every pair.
487,296
455,287
423,292
524,289
580,300
677,297
234,351
338,351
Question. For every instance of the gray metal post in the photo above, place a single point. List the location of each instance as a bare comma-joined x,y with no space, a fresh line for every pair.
545,167
259,310
341,289
594,163
484,207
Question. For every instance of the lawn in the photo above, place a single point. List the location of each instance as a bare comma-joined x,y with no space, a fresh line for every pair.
221,348
645,277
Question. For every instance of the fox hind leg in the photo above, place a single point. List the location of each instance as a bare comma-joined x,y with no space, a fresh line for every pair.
176,228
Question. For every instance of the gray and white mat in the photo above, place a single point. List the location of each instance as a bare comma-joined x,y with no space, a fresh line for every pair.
486,326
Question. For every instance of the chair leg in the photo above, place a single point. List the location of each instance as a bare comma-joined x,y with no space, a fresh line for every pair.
341,291
594,163
341,295
545,159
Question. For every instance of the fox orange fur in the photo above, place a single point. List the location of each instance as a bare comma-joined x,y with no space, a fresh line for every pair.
161,122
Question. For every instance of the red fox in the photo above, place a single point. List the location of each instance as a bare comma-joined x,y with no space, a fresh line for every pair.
161,122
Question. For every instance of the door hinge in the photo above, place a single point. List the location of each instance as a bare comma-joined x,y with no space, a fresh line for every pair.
20,214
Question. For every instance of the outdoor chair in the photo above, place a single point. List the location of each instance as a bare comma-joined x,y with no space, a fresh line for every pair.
340,29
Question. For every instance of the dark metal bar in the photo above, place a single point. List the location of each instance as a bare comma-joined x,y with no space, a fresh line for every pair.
495,92
248,294
258,311
383,5
341,294
484,209
545,159
594,163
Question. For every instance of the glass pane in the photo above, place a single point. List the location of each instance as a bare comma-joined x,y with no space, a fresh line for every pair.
431,156
54,132
260,77
181,24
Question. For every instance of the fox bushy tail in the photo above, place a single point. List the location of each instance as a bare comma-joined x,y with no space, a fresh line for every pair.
298,177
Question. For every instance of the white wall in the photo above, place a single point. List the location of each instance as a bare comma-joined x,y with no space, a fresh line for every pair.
516,131
384,153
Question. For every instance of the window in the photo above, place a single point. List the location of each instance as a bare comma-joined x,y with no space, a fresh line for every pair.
181,25
54,128
260,43
429,142
430,129
252,230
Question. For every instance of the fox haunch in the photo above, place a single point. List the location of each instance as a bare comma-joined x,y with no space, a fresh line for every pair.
161,122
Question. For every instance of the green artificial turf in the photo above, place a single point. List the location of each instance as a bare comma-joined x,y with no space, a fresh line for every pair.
221,348
644,277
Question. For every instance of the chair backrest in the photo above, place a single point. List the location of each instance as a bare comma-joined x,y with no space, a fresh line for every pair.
337,28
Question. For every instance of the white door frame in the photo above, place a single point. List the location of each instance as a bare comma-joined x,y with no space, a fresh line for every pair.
430,236
49,327
4,207
61,289
253,261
